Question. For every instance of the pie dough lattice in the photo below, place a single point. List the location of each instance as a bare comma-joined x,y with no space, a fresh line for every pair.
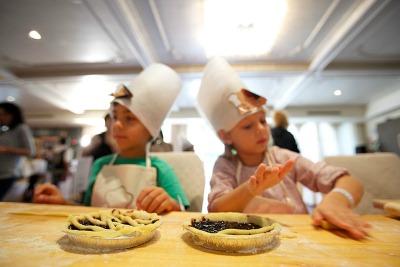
112,229
115,220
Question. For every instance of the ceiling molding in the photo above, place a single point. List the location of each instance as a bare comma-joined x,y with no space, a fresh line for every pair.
129,18
317,29
266,69
42,93
73,70
160,25
365,12
370,67
361,16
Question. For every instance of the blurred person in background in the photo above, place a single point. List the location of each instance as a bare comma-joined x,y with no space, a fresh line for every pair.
280,135
38,172
16,141
101,144
59,165
159,145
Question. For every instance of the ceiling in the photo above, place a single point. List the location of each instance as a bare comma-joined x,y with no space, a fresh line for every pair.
90,46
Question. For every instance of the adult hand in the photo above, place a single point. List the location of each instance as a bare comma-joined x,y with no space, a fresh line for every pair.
266,176
335,210
155,199
48,194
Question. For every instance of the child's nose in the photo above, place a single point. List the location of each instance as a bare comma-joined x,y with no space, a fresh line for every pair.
261,127
116,124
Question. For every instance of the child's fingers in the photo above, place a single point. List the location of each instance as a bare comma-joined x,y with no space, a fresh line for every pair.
164,207
260,170
287,167
347,225
267,173
143,194
156,202
148,199
317,218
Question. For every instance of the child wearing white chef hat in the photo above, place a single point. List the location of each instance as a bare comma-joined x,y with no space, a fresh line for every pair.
131,178
250,177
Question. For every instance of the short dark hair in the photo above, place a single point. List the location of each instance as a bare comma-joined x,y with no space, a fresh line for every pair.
15,112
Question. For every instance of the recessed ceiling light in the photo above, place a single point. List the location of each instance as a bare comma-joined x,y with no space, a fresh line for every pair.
337,92
10,98
35,35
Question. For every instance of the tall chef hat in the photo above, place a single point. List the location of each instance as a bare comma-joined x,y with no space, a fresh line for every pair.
150,95
223,99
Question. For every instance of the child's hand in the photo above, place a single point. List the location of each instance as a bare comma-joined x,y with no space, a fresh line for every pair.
335,211
155,199
48,194
266,177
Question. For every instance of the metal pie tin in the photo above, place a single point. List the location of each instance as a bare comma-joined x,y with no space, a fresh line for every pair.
239,243
107,244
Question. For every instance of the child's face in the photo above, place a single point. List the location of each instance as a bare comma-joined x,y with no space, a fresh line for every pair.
128,131
250,135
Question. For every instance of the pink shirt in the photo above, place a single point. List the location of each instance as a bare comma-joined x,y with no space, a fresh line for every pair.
319,177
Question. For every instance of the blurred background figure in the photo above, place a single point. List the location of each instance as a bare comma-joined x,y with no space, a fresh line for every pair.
38,172
59,164
16,141
280,135
186,145
101,144
159,145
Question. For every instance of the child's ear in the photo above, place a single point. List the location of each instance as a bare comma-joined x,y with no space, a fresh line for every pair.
225,137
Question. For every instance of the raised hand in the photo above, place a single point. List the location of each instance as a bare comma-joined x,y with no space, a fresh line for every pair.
266,176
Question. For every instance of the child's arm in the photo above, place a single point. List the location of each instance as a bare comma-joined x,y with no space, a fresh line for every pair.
336,207
264,177
156,199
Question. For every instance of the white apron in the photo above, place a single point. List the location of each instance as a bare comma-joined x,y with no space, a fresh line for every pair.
118,186
270,162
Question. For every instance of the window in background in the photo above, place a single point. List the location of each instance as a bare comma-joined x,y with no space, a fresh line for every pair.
328,139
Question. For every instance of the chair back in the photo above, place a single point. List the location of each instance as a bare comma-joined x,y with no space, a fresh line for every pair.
189,169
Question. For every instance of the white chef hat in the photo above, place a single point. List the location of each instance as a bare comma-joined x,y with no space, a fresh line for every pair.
150,95
223,99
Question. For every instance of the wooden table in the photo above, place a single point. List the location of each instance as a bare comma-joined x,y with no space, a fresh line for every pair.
36,240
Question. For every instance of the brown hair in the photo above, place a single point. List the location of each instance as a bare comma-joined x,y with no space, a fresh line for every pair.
280,119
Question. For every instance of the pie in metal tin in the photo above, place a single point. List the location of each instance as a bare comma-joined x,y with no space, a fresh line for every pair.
112,229
234,232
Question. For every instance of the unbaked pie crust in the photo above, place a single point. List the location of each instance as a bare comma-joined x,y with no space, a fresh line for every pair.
236,240
112,229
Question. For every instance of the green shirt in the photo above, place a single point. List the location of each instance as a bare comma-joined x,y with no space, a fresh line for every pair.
166,178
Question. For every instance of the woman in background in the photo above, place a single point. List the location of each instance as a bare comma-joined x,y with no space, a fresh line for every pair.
280,135
16,140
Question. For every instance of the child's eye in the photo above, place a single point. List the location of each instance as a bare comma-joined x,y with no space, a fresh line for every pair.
129,119
247,126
